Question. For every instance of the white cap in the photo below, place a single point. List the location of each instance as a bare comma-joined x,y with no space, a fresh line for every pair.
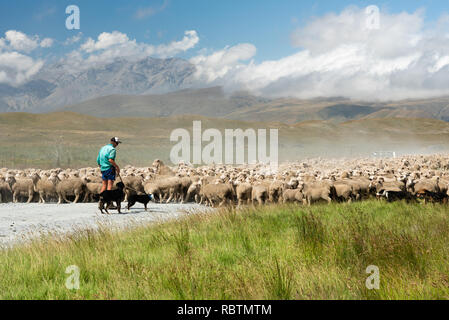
116,140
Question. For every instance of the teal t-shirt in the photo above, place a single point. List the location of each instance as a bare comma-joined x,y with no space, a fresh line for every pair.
106,153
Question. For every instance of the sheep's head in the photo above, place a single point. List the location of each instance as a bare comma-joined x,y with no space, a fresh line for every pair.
54,179
293,183
35,177
157,163
85,179
11,180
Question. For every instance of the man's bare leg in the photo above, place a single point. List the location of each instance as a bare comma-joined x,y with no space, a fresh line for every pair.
110,184
104,186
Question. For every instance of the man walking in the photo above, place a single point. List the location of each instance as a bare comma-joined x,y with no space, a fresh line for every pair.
108,167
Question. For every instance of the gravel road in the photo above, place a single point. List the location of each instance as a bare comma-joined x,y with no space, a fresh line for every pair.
20,221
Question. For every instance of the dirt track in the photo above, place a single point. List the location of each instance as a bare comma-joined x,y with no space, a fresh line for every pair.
21,221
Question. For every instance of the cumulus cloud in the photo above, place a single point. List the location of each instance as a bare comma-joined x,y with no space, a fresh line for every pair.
340,55
189,41
20,41
224,62
106,40
112,45
16,66
46,43
396,34
74,39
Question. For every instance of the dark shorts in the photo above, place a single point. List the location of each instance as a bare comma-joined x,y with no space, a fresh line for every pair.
108,174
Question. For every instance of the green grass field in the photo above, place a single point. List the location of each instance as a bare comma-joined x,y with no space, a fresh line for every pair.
274,252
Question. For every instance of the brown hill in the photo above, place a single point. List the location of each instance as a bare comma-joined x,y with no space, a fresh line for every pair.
72,140
213,102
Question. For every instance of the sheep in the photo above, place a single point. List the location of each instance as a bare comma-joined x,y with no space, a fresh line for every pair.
431,185
5,190
169,186
292,195
92,190
162,169
71,187
259,193
244,192
21,187
317,191
219,192
341,179
275,191
193,192
429,189
46,188
362,187
133,185
343,191
154,189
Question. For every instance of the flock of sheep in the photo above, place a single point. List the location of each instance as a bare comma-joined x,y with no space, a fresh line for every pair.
306,182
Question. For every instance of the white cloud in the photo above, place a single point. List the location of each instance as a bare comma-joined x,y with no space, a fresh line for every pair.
223,62
20,41
3,77
46,43
16,68
105,41
72,40
339,56
189,41
110,46
396,34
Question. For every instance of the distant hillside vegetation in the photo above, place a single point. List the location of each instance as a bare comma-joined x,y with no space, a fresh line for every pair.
67,139
213,102
209,102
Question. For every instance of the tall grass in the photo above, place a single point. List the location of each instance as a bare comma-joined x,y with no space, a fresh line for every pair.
273,252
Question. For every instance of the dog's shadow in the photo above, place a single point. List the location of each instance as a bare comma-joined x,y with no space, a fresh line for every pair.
135,211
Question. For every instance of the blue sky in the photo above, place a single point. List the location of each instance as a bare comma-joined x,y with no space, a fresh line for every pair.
265,23
302,49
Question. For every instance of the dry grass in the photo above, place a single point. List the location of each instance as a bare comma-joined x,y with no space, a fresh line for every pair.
68,139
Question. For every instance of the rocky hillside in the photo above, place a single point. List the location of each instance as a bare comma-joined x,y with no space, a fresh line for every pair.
55,86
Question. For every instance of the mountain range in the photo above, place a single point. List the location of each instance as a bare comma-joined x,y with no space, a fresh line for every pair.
56,86
167,87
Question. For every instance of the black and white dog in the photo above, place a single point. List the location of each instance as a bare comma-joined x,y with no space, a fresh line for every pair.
109,196
145,198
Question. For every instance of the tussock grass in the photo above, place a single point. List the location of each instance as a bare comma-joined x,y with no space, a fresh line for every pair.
273,252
